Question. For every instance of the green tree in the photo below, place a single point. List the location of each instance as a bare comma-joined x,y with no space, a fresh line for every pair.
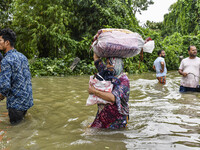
88,16
140,5
184,17
156,26
56,28
5,16
53,28
40,26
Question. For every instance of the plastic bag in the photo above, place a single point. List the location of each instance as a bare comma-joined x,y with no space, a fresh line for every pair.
149,47
105,86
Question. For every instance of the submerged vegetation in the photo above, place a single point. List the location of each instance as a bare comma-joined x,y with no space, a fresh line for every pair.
53,33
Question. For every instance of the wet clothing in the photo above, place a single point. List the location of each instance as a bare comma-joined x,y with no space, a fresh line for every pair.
110,118
162,80
157,64
192,67
188,89
15,81
16,115
114,116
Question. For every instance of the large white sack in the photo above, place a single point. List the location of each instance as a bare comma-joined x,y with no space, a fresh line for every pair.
118,43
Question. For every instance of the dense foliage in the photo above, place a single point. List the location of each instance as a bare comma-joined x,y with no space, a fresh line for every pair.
4,12
59,67
55,28
139,6
184,17
52,33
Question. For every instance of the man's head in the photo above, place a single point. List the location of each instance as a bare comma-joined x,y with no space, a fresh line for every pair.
7,39
161,53
192,51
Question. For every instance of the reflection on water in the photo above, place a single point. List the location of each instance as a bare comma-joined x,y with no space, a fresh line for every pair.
160,117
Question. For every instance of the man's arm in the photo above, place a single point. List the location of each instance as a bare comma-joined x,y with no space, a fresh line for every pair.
182,73
5,78
154,67
98,63
162,66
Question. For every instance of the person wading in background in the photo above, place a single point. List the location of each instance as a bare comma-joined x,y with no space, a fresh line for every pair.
160,67
190,71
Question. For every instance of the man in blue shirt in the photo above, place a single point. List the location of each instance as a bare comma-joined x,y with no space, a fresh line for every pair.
160,67
1,57
15,78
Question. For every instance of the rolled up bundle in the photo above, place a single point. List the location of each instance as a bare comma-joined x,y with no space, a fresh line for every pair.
121,43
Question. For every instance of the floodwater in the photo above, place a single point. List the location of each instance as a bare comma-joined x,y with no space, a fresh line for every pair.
160,117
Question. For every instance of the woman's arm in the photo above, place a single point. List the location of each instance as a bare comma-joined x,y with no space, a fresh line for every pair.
98,63
104,95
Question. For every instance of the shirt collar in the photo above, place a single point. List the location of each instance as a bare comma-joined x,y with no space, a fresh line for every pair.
10,51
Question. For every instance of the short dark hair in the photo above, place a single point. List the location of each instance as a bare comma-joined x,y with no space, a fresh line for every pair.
190,47
8,35
159,52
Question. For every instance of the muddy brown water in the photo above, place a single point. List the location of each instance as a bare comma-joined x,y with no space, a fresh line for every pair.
160,117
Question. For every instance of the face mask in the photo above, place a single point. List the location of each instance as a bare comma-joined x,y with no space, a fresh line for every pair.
163,56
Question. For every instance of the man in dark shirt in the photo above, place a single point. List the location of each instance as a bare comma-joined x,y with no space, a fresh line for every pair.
15,78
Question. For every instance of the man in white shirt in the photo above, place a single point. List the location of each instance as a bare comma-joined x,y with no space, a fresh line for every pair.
160,67
190,70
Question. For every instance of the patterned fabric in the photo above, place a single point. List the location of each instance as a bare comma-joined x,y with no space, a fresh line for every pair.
1,56
162,80
103,72
118,65
99,65
15,81
115,115
110,118
121,93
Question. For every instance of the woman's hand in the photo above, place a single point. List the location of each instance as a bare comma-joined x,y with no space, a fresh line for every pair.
91,89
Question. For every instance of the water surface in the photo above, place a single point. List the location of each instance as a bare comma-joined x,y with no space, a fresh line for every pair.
160,117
